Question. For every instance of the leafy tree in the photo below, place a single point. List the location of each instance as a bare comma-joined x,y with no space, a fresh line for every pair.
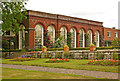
13,13
116,42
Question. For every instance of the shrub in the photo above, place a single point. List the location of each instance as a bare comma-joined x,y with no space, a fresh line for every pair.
66,54
115,56
100,56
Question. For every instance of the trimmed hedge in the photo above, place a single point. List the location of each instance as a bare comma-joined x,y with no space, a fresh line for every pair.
61,49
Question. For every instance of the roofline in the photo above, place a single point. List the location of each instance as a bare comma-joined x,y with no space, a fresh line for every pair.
65,16
111,28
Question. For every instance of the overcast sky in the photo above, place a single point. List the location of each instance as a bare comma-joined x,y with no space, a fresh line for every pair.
105,11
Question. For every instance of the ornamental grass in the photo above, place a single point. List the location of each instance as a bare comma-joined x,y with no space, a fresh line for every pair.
110,62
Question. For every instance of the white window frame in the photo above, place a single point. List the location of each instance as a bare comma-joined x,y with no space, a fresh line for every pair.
116,34
109,34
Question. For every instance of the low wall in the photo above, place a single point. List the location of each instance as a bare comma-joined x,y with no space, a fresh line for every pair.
75,54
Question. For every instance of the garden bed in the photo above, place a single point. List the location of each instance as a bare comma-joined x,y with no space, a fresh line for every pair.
110,62
22,59
57,60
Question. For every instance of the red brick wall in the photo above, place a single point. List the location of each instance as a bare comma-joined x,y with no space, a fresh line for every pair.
112,33
34,20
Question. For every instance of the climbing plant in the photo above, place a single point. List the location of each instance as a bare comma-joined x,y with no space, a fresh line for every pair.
47,41
69,39
86,39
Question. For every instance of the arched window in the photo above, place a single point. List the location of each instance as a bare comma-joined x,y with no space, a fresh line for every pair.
97,38
73,38
38,36
51,33
63,34
22,37
81,38
89,37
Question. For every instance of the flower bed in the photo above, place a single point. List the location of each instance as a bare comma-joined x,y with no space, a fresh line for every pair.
22,59
57,60
110,62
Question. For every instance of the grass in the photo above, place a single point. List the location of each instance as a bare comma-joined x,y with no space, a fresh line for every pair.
73,64
9,73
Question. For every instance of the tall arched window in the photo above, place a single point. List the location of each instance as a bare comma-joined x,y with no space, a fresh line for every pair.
22,37
51,33
63,34
97,38
73,38
81,38
89,37
38,36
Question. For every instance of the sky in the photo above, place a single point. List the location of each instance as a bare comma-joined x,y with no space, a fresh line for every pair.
105,11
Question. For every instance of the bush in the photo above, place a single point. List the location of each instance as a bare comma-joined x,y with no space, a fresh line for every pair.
58,55
66,54
100,56
115,56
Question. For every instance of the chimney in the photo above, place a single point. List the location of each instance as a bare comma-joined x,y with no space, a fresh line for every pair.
113,28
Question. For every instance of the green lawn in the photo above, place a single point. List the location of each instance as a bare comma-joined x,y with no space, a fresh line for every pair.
9,73
73,64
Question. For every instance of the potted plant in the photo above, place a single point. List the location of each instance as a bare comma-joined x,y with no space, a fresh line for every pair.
44,49
92,47
66,48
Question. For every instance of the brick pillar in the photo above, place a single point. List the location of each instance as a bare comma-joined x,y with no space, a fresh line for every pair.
77,39
31,38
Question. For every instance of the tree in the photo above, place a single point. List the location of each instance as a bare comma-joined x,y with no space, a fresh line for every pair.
13,13
116,42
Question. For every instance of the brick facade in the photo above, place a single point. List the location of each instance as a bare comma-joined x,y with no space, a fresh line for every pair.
46,19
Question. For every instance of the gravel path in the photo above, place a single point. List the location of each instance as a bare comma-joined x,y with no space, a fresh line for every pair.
96,74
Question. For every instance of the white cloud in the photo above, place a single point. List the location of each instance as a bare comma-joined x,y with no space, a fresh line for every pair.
100,10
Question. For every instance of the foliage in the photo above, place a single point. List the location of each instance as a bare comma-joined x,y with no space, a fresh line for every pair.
65,46
86,39
66,54
44,47
110,62
101,41
69,39
13,13
100,55
59,42
22,59
92,45
47,41
115,56
57,60
116,42
5,44
58,55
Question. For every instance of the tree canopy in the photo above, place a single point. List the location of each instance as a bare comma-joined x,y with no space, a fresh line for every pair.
13,13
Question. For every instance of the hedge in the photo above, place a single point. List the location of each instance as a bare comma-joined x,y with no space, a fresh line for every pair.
61,49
